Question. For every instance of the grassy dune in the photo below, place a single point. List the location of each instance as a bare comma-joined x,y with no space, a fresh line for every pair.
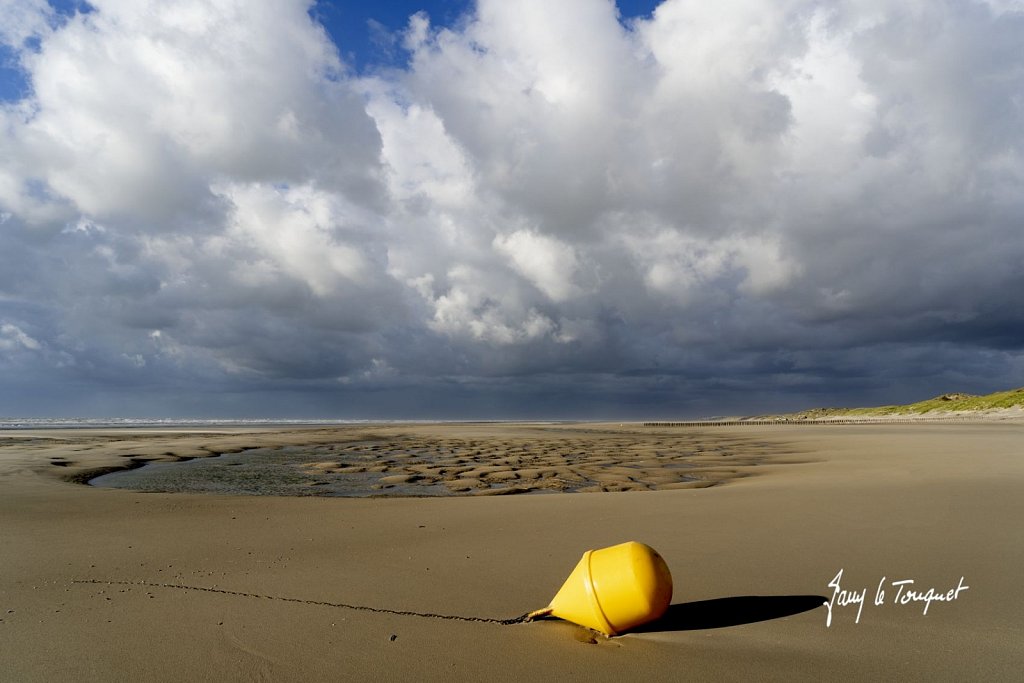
1013,398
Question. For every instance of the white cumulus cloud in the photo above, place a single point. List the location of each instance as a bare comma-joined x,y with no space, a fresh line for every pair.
717,195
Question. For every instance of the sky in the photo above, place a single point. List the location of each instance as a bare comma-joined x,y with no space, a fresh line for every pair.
479,210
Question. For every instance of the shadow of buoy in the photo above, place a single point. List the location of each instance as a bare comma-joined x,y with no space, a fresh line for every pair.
734,611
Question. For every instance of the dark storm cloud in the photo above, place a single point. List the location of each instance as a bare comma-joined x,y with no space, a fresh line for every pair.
722,207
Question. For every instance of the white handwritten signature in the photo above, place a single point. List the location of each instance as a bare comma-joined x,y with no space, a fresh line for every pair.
905,594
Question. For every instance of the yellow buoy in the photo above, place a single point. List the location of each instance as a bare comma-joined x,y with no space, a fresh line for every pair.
614,589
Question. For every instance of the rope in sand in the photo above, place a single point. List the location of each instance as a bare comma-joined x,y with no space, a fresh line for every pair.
361,608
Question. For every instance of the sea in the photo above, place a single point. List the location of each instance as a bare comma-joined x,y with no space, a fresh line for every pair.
107,422
162,422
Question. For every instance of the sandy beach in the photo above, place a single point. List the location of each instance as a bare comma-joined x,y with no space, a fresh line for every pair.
755,523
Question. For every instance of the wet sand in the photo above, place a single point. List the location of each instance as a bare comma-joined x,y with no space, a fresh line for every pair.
105,584
359,463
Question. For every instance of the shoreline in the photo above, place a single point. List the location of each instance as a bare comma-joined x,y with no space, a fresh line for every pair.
179,443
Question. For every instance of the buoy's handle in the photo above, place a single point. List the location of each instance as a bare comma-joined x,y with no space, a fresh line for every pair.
537,614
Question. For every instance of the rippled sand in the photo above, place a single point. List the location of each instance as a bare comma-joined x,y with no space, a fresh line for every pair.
553,462
364,463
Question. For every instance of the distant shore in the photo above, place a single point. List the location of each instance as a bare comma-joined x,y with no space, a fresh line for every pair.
990,415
